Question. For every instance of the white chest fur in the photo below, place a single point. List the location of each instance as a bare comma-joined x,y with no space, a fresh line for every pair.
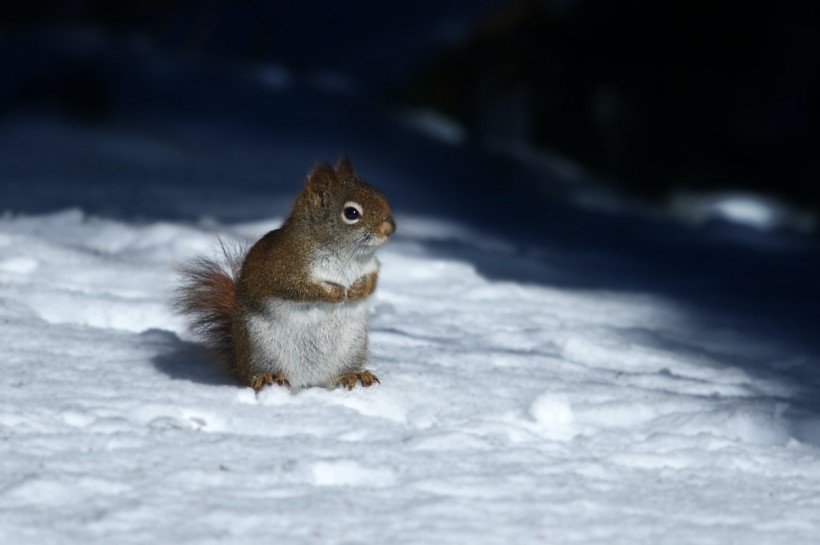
340,269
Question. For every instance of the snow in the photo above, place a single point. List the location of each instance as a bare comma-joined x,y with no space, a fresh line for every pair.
436,126
507,412
548,374
749,210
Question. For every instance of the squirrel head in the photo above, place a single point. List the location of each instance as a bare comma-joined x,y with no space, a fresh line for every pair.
343,211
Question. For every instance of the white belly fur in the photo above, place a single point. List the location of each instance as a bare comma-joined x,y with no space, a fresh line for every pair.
311,344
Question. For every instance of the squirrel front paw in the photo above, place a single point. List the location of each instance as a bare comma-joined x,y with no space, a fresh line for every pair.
333,293
365,377
362,288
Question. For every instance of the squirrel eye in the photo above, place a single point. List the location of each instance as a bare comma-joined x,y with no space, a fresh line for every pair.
352,212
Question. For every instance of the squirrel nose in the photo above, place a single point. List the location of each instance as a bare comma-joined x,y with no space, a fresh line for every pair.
388,227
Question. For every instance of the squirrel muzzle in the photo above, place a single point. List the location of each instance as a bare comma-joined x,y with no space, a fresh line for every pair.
387,228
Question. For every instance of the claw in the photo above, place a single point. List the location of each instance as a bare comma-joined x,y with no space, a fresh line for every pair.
366,378
347,381
260,381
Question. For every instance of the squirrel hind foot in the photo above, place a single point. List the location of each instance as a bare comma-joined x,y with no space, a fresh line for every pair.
366,378
258,383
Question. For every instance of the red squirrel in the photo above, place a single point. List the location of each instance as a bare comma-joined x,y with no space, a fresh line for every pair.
293,310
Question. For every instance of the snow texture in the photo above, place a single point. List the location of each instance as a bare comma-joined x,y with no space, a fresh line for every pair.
507,412
538,392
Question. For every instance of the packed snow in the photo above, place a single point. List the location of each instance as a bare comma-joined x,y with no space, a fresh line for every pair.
548,374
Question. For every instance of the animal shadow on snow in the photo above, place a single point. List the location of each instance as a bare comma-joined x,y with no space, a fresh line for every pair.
184,360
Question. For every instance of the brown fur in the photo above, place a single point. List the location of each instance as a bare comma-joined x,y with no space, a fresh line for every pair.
363,287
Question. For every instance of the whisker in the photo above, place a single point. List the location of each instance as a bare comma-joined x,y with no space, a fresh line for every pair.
351,252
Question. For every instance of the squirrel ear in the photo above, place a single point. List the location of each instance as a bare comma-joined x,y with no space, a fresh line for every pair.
319,184
345,166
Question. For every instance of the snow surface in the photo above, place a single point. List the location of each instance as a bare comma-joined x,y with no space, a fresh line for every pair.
507,413
548,375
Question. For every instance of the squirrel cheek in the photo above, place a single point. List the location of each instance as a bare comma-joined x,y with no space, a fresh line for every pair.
387,228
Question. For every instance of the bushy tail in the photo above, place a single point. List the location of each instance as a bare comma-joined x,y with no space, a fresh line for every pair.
207,296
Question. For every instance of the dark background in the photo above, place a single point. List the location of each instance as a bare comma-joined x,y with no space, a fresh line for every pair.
651,98
657,95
